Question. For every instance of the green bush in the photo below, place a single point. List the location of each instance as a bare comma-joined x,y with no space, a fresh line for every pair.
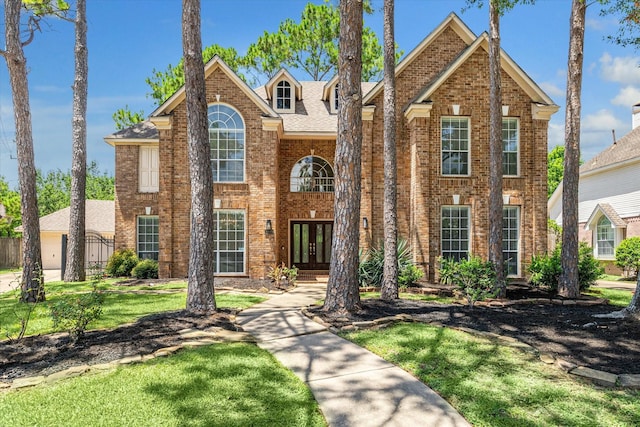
121,263
628,256
545,270
371,268
146,269
280,273
475,278
74,312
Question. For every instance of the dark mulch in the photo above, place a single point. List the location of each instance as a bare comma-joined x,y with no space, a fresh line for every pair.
46,354
568,332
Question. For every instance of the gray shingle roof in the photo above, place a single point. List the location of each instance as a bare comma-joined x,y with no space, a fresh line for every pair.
142,130
99,217
626,148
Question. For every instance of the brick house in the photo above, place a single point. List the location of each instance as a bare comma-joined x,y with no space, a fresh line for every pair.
273,152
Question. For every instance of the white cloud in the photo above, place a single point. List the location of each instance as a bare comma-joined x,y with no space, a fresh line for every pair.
624,70
595,24
552,89
556,134
628,96
603,120
51,89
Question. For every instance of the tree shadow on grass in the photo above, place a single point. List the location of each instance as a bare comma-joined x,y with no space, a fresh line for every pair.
234,385
462,369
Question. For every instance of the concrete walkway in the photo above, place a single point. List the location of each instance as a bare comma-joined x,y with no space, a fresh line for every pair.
353,386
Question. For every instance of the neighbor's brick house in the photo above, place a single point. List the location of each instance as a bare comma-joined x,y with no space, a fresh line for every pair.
273,155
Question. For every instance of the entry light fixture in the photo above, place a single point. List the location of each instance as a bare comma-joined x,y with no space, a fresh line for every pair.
268,227
365,223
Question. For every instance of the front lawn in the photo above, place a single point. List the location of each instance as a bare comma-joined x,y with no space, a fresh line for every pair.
122,305
216,385
494,385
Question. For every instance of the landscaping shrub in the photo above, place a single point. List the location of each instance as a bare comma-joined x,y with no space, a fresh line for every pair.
146,269
473,277
545,270
371,268
279,273
74,312
121,263
628,256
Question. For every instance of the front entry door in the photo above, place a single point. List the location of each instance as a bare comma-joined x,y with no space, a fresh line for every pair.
311,245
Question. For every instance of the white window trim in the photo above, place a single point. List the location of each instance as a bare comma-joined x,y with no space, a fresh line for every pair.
149,170
244,162
518,174
138,233
470,237
292,98
519,226
442,174
245,257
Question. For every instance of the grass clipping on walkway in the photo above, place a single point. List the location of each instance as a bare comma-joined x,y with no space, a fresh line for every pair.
495,385
217,385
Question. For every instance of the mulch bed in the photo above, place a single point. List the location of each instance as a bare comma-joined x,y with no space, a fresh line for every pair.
567,332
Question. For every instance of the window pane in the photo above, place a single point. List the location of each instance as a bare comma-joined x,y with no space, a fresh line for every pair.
510,239
229,241
454,232
226,137
148,237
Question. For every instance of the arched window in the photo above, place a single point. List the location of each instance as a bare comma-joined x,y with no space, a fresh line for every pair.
604,237
312,174
226,137
283,95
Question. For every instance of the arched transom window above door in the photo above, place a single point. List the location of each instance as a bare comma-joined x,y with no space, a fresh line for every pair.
312,174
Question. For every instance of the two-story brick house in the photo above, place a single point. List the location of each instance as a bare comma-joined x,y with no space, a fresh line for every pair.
272,151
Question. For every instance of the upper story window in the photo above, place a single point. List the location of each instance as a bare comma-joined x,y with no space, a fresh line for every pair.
335,99
455,145
510,147
605,237
283,96
148,170
312,174
227,140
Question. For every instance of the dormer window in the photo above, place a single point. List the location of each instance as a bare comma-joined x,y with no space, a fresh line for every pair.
283,96
335,99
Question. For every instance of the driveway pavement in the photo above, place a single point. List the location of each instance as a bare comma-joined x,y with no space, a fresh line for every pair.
10,281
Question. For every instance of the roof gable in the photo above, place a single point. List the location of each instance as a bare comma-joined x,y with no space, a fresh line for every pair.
607,210
216,63
507,64
452,21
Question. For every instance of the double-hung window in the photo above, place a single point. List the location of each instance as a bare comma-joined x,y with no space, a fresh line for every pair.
455,145
510,147
229,241
148,237
605,237
455,232
227,140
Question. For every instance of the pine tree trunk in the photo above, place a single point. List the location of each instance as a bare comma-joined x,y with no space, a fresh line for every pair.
32,285
389,289
569,286
495,150
74,269
342,289
200,291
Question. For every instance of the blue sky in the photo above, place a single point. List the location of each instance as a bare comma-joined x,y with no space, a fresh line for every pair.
128,39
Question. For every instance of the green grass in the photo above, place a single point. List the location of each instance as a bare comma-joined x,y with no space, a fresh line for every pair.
410,296
120,307
616,297
495,385
217,385
614,278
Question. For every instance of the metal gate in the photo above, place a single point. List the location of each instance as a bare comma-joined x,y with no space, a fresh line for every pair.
97,251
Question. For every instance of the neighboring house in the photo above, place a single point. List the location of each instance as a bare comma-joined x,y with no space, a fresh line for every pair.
272,151
99,225
608,196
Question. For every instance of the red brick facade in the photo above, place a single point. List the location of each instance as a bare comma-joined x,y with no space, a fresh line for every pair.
271,151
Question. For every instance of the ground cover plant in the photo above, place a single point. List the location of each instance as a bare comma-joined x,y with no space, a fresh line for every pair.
495,385
217,385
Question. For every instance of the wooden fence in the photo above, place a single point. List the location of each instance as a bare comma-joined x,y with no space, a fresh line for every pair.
10,252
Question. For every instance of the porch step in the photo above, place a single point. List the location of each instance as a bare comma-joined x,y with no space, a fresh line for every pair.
313,276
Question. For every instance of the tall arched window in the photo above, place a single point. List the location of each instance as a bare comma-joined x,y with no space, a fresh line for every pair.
283,95
226,136
604,237
312,174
